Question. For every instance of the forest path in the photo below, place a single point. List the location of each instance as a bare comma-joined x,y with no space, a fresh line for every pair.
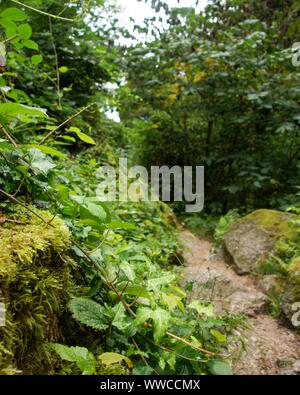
271,347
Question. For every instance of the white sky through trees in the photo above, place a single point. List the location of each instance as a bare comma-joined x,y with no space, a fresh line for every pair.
140,10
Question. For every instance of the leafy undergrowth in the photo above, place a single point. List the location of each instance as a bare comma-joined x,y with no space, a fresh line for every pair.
130,311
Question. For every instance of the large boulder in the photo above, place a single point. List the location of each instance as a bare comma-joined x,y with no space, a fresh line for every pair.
252,239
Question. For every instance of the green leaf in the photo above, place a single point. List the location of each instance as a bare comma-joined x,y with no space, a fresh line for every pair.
219,336
40,161
15,109
201,309
13,14
82,136
31,44
36,59
89,313
121,320
160,318
63,69
24,31
127,269
84,359
220,368
48,150
111,358
92,211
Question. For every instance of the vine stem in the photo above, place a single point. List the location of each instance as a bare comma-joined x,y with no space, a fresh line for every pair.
43,12
64,123
56,65
7,40
8,136
17,201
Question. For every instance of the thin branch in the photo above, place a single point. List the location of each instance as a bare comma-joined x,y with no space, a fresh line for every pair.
142,356
17,201
171,351
7,40
43,12
8,136
56,65
64,123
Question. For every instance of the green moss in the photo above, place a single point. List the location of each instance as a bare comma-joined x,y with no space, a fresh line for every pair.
294,270
276,223
36,284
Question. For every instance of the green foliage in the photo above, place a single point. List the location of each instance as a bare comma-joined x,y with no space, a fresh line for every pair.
84,359
228,101
224,224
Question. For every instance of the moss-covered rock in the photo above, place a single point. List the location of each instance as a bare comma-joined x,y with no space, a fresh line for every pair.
252,239
35,283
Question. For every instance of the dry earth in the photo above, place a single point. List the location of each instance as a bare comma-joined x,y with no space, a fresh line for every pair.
272,348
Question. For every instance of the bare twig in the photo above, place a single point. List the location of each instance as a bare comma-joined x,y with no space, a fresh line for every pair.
56,65
43,12
7,40
8,136
64,123
17,201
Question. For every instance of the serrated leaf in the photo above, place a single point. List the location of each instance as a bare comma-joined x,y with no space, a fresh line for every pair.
89,313
84,359
161,320
201,309
128,270
40,161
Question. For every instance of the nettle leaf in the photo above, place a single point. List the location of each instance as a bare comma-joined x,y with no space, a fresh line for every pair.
128,270
160,319
220,368
82,136
92,211
89,313
121,319
166,279
201,308
40,161
14,14
83,358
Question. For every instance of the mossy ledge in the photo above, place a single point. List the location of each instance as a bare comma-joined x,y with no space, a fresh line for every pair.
35,285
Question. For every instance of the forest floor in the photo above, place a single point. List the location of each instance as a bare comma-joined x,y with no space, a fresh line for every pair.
271,347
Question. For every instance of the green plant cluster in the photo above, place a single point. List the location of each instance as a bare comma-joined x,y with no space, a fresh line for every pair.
129,310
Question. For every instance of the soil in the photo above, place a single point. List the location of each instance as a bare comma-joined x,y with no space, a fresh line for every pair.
272,347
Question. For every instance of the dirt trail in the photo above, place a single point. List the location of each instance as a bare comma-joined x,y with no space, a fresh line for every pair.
272,348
